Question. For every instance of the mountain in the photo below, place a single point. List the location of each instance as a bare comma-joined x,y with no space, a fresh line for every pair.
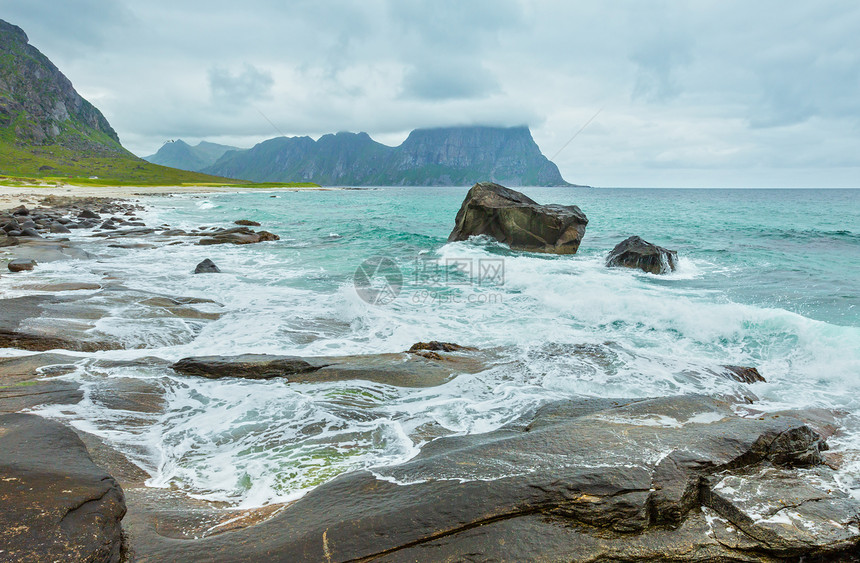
47,130
179,154
448,156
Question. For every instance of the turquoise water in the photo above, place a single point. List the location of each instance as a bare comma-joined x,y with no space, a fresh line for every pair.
767,278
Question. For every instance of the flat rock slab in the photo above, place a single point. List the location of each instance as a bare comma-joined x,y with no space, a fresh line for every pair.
518,221
604,480
43,250
399,369
69,322
22,385
57,504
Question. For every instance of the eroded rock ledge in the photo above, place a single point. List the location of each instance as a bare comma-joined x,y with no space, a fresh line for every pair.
677,478
57,504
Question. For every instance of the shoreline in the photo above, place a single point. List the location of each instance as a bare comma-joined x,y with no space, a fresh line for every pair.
13,196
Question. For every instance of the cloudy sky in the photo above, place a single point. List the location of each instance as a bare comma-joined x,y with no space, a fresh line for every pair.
697,93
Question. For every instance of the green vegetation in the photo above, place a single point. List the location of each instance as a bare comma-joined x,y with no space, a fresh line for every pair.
21,384
54,165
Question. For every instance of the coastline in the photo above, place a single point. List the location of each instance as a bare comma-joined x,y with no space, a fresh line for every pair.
13,196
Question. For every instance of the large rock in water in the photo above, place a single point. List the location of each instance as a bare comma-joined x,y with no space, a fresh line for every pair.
57,505
637,253
518,221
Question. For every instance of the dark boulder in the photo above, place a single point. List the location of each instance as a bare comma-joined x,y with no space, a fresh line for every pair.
247,366
238,235
21,265
637,253
57,504
744,374
59,228
247,223
88,214
20,211
109,224
30,232
518,221
207,267
11,225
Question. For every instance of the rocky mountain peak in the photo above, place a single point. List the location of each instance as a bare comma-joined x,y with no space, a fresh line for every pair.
39,105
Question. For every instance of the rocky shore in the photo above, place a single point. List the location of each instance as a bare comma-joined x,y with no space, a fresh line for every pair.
676,478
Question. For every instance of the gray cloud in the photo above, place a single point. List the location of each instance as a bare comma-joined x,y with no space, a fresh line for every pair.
442,80
236,89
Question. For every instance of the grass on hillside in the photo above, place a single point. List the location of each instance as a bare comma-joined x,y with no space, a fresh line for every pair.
57,165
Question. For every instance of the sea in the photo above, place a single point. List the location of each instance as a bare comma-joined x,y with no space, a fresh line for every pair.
768,278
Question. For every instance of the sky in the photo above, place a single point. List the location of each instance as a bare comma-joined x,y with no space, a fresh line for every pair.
686,93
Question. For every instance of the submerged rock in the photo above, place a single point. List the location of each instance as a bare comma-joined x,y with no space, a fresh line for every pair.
518,221
247,223
637,253
207,267
57,504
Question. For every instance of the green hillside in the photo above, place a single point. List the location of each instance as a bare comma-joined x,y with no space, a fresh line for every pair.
49,132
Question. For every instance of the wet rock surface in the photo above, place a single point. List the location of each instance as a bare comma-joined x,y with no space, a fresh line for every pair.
577,481
207,267
518,221
400,370
637,253
57,504
21,265
70,322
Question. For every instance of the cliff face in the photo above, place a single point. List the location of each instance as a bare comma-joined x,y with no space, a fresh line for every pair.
38,104
428,157
465,155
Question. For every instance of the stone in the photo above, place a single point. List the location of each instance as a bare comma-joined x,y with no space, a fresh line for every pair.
637,253
590,480
518,221
246,366
30,232
20,211
57,504
88,214
744,374
399,370
247,223
436,346
21,265
207,267
238,235
59,228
